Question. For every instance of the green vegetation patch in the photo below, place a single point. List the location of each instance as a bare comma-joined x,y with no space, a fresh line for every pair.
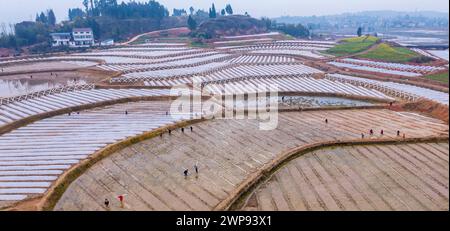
351,46
441,77
385,52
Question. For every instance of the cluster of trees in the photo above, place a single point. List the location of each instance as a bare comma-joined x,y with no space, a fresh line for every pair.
179,12
25,34
29,33
192,24
110,8
48,18
76,13
213,13
296,30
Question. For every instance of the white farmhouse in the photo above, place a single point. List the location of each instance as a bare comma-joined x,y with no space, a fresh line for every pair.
61,39
83,37
80,37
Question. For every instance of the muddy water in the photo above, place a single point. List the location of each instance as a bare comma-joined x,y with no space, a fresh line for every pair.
319,101
304,102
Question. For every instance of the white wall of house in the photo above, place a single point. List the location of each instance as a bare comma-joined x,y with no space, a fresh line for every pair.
83,38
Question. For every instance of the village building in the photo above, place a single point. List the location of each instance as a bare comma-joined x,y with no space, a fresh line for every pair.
61,39
83,37
80,37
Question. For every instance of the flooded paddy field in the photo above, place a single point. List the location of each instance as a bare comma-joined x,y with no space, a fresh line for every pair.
286,102
19,84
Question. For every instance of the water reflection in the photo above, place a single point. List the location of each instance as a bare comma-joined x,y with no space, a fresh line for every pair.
16,87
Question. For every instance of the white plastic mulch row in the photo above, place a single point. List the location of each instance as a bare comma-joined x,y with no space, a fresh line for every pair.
305,53
261,59
243,41
437,96
159,45
394,66
130,48
374,69
34,156
293,84
81,63
307,41
137,53
284,47
262,70
175,71
22,109
192,60
241,71
55,58
251,35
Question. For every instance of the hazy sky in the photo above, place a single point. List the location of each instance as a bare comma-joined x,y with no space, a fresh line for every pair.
19,10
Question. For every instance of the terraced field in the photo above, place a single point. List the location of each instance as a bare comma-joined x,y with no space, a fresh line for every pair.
227,152
386,68
305,84
373,177
17,108
33,156
396,88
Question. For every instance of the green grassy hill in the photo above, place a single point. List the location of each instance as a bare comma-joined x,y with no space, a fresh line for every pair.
351,46
388,53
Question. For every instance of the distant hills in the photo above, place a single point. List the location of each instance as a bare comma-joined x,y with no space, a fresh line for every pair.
373,20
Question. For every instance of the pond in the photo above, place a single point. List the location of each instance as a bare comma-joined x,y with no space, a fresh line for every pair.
306,102
9,88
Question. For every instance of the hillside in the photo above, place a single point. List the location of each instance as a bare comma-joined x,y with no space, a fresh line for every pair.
352,45
388,53
232,25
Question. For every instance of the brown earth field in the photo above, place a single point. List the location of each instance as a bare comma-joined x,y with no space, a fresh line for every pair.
365,177
229,152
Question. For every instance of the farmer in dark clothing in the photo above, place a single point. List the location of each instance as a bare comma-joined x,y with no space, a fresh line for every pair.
371,131
196,168
326,121
170,132
398,133
362,135
106,203
382,132
192,129
182,130
186,172
126,112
